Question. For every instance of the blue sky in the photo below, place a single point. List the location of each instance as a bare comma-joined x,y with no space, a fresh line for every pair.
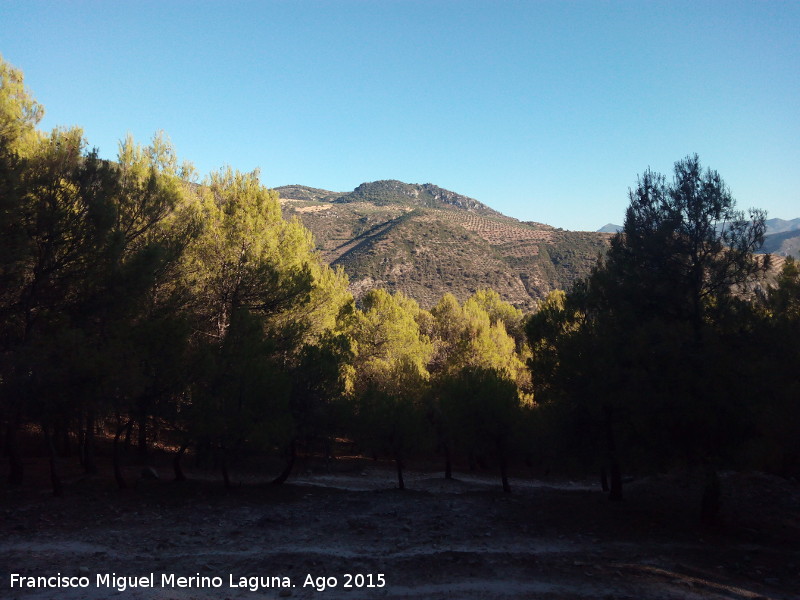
546,111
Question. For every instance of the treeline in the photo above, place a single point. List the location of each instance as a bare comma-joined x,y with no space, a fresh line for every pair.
137,302
140,303
675,352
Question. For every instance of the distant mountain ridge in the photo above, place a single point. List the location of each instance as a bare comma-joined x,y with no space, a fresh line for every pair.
782,236
782,226
425,241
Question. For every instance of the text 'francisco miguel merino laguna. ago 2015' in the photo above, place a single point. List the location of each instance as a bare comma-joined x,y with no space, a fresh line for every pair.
197,581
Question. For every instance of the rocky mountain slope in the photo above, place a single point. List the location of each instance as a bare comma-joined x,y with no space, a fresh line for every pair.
426,241
786,243
783,237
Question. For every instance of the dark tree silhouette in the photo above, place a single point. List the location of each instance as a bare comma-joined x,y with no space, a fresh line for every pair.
637,344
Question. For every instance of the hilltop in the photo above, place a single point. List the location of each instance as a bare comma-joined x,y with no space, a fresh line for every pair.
383,193
425,241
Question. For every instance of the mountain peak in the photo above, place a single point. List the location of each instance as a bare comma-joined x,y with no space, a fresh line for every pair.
391,191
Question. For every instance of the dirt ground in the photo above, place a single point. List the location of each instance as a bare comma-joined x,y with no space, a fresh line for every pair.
460,539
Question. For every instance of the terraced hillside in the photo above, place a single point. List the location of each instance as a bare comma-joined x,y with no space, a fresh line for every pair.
426,241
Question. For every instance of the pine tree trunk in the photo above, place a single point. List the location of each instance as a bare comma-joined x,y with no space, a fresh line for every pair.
287,470
226,477
400,483
16,470
176,462
504,474
616,481
55,477
128,434
328,454
117,462
142,437
82,446
89,465
616,475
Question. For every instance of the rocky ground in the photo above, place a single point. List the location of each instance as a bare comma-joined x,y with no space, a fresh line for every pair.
346,528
